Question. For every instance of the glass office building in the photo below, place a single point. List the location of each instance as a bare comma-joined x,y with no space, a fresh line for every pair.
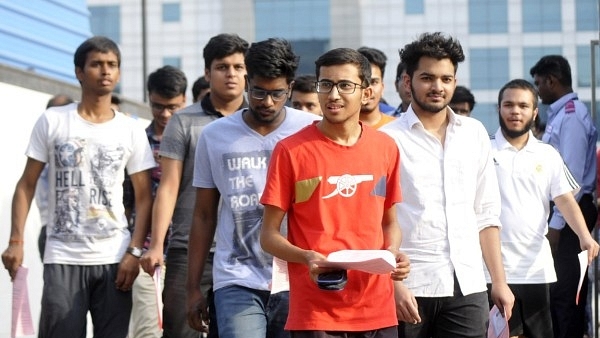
41,36
502,39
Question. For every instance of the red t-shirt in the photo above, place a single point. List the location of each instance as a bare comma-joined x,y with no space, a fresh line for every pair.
335,197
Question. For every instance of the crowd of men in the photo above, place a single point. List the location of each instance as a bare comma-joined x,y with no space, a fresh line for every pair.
269,171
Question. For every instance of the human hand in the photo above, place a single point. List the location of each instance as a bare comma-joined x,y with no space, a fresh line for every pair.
129,268
407,309
402,266
503,298
588,243
12,258
197,313
312,259
151,259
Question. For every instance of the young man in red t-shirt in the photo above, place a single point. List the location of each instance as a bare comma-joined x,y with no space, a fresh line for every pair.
338,182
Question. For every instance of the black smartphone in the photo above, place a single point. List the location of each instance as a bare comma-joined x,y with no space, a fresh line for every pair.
332,280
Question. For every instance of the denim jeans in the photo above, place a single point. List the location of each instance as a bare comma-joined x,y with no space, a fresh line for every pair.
248,313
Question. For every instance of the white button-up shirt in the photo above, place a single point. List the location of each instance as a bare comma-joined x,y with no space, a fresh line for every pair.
450,193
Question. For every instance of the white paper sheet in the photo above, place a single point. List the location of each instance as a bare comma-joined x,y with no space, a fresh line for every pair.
281,280
583,260
370,261
498,324
158,292
22,324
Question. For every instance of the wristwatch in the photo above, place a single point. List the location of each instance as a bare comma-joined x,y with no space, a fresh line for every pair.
135,252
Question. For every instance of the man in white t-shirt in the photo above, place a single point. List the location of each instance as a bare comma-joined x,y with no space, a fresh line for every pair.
90,259
531,174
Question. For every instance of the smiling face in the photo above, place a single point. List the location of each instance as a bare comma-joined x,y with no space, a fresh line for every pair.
100,73
432,85
340,108
517,112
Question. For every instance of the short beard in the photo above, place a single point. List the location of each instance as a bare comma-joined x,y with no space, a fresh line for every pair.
512,134
430,108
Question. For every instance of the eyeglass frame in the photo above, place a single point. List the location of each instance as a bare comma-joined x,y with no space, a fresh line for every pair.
284,94
336,85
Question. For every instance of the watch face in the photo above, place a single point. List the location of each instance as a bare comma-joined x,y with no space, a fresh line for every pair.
137,252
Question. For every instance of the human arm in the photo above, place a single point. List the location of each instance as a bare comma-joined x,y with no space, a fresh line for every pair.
129,267
572,144
407,309
392,237
503,298
162,212
273,242
201,236
569,208
12,257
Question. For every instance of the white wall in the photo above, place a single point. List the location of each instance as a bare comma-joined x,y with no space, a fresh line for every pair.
21,108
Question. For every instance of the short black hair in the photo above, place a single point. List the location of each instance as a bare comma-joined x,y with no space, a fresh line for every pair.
399,69
199,85
463,94
375,57
167,82
519,84
272,58
304,84
223,45
555,65
434,45
100,44
342,56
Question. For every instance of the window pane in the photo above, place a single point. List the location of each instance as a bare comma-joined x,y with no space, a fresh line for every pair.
488,16
542,16
174,61
106,21
487,113
414,7
171,12
489,68
586,15
584,67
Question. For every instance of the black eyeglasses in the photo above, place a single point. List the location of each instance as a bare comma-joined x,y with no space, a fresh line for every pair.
343,87
157,107
261,94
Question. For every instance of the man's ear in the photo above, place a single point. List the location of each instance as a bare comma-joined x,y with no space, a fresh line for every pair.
366,94
78,73
207,74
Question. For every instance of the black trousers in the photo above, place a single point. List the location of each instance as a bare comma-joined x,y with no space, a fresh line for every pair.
568,319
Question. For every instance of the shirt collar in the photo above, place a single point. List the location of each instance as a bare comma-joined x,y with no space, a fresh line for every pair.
412,119
558,104
504,144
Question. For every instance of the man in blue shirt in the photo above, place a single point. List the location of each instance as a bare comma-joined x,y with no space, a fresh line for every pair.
571,131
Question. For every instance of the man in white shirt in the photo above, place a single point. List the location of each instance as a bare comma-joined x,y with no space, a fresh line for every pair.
451,204
532,174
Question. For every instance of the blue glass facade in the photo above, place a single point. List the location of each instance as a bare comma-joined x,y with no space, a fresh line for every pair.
42,35
106,21
486,17
541,16
305,23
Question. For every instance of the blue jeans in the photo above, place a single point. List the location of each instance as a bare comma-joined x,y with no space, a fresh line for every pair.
250,313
